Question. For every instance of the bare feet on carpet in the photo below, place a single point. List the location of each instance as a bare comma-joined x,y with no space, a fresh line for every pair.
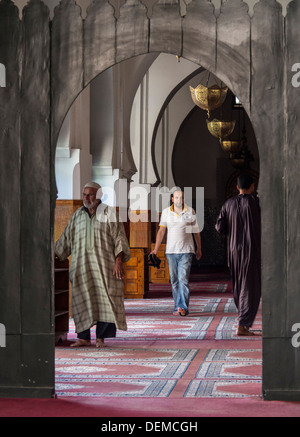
100,343
80,343
243,330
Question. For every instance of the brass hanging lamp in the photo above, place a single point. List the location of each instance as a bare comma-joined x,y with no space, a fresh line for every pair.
220,129
230,146
208,98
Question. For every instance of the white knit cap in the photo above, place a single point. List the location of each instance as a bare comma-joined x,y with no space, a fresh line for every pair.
92,185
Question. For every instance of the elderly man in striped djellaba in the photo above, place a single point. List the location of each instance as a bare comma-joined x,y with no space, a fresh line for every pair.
96,239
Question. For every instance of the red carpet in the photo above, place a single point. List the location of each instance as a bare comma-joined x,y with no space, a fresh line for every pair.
167,356
163,366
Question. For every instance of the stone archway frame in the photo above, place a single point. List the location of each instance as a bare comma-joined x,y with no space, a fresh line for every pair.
48,63
233,47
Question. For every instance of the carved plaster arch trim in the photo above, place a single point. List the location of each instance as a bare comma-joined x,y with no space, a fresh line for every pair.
149,4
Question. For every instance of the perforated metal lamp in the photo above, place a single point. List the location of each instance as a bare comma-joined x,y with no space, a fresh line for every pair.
208,98
220,129
231,146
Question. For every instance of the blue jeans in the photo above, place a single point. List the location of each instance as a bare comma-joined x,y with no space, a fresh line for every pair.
179,268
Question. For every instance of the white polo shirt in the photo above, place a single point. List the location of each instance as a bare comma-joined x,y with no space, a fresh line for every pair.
180,229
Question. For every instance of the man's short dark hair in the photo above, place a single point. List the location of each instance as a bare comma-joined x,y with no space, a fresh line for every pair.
244,181
172,194
175,189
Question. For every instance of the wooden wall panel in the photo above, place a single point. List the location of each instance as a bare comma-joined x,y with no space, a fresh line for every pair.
136,282
161,275
63,212
140,229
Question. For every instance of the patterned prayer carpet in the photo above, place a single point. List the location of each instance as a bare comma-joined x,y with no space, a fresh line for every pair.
167,356
164,366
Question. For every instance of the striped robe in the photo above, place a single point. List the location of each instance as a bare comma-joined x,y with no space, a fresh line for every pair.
94,243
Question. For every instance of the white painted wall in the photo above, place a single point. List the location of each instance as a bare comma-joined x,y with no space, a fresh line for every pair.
161,78
73,161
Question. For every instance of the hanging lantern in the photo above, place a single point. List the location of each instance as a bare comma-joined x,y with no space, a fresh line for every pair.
208,98
239,163
220,129
231,146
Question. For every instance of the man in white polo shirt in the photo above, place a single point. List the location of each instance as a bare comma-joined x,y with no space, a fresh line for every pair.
181,222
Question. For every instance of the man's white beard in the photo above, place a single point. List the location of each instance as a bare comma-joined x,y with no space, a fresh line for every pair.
91,205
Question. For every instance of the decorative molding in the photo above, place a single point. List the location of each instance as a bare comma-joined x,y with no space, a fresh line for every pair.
183,4
284,4
149,6
251,4
117,4
217,4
